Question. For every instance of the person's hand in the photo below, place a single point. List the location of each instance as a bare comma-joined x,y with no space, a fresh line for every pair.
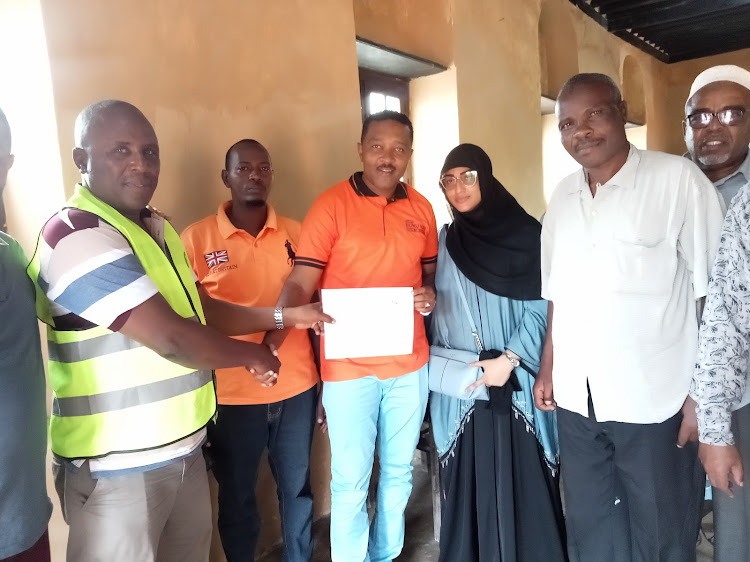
723,466
264,365
543,397
321,413
496,372
689,425
424,299
307,316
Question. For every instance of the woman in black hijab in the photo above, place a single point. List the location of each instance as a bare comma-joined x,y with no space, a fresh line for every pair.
499,458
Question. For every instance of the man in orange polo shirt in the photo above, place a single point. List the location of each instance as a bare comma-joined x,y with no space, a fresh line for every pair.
243,255
371,230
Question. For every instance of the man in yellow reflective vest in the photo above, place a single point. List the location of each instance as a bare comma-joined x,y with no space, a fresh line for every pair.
132,343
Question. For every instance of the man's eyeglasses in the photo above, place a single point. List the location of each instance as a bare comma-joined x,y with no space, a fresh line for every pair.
468,178
729,116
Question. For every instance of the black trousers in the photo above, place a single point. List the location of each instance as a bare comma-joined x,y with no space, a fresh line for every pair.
241,435
630,493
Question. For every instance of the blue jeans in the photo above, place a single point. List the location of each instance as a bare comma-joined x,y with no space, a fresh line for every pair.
241,435
362,413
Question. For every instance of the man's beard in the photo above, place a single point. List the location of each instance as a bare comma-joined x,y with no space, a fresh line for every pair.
713,159
255,203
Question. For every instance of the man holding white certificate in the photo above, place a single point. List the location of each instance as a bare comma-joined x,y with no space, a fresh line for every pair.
370,244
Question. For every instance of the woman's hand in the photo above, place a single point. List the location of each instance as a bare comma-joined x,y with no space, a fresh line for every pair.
496,372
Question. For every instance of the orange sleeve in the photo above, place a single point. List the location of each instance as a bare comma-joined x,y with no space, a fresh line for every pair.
188,240
319,233
429,255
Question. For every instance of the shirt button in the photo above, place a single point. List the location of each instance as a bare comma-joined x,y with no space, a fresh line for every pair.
593,213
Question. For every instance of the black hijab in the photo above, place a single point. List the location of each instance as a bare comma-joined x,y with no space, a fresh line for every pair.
495,245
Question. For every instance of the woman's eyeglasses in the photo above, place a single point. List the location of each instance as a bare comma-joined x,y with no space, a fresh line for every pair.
468,178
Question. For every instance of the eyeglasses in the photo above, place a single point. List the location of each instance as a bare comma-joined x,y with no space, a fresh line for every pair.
468,178
729,116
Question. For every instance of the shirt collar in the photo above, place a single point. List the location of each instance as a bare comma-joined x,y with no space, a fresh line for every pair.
744,170
360,188
227,229
625,176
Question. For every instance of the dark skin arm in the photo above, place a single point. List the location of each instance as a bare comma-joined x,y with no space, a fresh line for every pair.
235,320
303,281
190,343
543,396
298,290
424,296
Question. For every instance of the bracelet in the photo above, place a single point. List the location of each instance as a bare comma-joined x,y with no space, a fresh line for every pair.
278,317
513,360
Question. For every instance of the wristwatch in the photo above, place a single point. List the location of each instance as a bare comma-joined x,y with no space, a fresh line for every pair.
513,360
278,317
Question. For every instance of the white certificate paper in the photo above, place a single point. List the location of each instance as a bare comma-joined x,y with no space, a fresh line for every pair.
370,322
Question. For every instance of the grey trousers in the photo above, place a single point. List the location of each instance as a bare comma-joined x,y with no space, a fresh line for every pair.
160,515
732,515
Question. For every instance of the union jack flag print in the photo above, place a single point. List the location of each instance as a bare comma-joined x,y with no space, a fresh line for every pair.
215,258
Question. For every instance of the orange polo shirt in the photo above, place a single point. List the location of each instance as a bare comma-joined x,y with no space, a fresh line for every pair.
236,267
360,239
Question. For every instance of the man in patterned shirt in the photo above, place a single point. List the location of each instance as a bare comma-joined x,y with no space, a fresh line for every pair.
717,134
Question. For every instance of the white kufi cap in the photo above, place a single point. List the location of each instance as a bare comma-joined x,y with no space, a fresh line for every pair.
721,73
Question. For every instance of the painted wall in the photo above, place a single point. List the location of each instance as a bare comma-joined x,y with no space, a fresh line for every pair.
31,113
419,27
434,113
208,74
497,64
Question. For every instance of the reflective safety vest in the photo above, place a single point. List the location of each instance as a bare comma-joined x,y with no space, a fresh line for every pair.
112,394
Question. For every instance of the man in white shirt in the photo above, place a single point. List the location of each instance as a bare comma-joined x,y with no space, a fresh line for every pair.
627,245
717,134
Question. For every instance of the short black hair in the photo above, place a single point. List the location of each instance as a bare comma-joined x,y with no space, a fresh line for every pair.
92,114
590,79
239,143
5,136
387,115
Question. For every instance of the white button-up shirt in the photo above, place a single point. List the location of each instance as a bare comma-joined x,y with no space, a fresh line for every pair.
624,270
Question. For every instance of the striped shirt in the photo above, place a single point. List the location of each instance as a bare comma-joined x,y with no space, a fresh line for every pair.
92,277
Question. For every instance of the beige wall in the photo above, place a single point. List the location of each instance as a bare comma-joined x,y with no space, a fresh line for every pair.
210,73
419,27
434,113
497,63
34,189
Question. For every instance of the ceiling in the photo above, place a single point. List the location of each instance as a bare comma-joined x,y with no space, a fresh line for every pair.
675,30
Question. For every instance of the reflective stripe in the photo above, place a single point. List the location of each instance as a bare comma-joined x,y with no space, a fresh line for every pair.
83,350
88,349
129,397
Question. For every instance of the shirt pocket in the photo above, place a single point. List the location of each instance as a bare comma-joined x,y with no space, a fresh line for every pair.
643,263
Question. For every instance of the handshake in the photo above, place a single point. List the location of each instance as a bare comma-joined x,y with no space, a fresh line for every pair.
264,364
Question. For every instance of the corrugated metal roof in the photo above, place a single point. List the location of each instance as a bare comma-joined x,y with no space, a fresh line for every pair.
675,30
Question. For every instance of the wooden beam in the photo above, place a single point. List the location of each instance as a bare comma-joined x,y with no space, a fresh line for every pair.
687,11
